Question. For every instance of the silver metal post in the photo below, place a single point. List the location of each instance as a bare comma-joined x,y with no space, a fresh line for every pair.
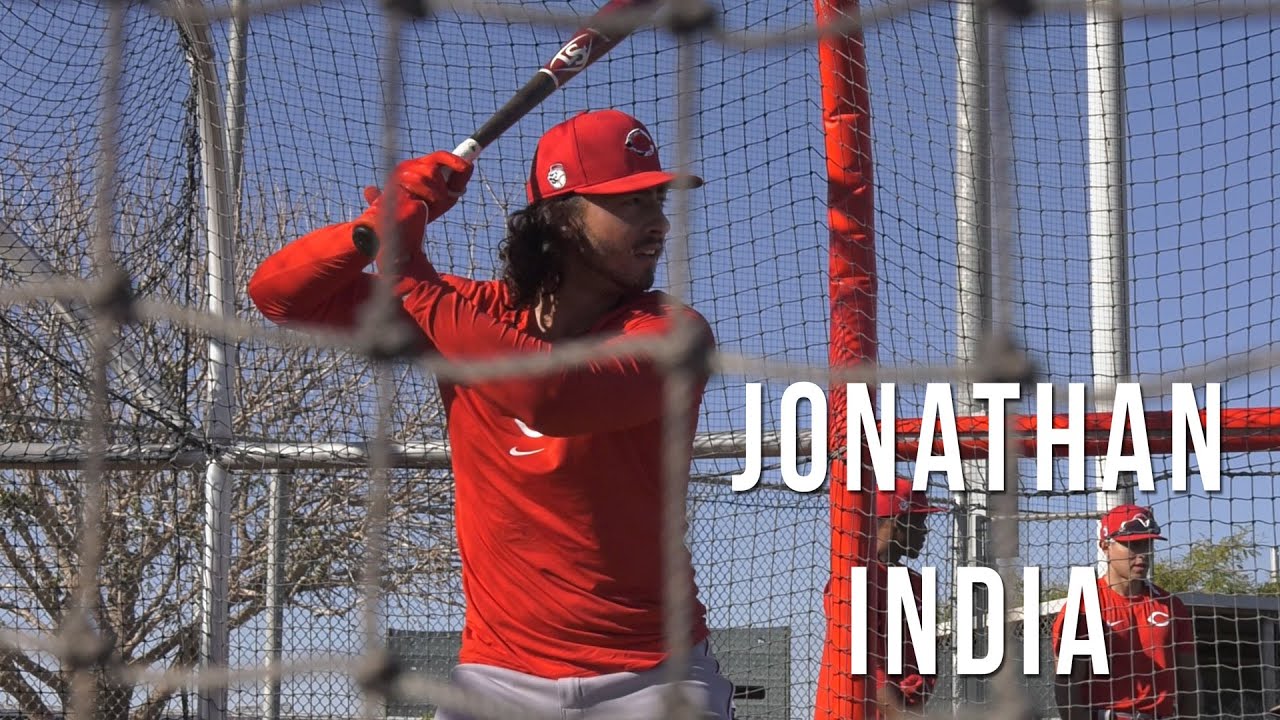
220,233
278,503
1108,228
972,180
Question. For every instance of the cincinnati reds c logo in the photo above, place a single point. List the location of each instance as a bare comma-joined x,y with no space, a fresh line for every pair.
639,142
1158,618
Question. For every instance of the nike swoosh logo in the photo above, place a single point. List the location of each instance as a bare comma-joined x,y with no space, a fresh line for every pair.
516,452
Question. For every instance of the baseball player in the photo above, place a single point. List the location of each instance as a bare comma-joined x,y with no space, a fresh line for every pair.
900,533
1149,635
558,477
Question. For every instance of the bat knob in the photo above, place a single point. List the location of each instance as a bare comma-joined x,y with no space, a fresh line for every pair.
412,8
366,240
690,17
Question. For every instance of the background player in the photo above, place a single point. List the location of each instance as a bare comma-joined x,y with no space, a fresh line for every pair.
1149,635
901,531
558,478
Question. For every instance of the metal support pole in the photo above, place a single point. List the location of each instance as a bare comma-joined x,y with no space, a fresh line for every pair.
278,504
220,233
1108,226
237,44
972,179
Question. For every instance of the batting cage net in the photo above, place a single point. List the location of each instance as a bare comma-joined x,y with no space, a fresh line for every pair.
205,515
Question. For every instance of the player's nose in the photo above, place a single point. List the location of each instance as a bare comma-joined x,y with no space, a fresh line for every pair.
659,229
657,223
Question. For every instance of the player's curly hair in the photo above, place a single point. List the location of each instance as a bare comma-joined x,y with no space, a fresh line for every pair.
533,251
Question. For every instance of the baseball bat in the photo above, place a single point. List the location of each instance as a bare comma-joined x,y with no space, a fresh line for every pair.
588,44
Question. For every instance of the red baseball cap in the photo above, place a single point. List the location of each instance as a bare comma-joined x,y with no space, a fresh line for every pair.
1129,522
902,500
602,152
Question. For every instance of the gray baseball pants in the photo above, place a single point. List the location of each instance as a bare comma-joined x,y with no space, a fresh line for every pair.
617,696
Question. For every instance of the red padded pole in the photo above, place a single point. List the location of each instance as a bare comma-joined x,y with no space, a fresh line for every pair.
852,265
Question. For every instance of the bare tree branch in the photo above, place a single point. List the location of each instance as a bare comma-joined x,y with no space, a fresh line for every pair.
31,571
33,667
30,701
153,520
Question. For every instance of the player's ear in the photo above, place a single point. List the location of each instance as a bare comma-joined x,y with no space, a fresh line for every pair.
1102,545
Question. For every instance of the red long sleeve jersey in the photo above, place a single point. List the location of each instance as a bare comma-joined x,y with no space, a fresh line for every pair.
1144,633
558,478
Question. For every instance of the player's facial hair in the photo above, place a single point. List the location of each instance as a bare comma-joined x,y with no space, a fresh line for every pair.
596,261
900,545
913,536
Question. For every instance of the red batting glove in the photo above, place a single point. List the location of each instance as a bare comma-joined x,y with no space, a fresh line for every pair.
438,180
912,688
397,247
423,188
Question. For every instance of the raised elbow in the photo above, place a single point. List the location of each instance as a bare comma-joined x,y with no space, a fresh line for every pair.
265,296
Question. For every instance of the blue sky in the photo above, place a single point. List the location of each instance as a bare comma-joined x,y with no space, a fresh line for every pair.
1203,138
